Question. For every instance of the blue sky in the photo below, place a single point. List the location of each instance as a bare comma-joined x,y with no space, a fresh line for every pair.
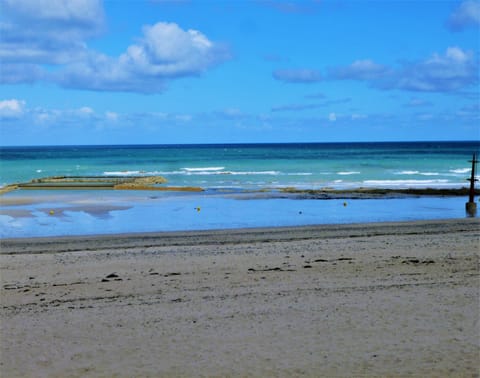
153,71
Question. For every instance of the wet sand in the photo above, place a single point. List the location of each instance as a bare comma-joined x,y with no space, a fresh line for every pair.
386,299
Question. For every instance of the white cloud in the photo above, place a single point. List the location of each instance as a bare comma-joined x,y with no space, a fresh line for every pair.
43,117
466,15
360,70
165,52
11,108
80,13
86,111
451,71
46,116
55,32
85,117
111,116
456,54
48,31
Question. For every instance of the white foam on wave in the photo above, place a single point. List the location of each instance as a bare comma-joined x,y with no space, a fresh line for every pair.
204,169
460,170
347,173
123,173
407,173
221,171
271,173
417,173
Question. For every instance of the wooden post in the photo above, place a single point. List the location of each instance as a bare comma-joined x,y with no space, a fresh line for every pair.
471,206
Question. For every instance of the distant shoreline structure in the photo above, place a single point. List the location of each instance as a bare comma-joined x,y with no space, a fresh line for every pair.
152,183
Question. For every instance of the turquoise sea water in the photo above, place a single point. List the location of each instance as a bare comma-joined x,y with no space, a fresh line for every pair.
312,166
238,168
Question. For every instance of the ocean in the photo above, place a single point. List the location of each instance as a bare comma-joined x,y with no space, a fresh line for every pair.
229,174
253,166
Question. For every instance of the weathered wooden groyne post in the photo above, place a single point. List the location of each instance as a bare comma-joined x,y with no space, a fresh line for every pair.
471,206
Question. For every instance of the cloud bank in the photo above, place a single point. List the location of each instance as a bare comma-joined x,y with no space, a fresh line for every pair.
465,16
48,31
454,70
55,32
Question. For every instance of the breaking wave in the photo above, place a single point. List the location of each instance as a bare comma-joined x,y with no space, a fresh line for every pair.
417,173
460,170
125,173
203,171
347,173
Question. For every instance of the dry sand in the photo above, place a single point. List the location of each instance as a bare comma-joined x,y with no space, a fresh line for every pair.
393,299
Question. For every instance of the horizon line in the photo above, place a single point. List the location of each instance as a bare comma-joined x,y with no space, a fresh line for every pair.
238,143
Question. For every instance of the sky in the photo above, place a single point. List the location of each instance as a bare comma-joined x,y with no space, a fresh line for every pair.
78,72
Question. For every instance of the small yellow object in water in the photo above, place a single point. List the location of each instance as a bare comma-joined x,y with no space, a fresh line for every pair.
52,212
198,209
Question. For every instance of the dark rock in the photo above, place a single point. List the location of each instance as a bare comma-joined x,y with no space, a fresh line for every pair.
276,269
172,274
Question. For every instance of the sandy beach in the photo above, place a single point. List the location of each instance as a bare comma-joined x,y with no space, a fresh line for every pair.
385,299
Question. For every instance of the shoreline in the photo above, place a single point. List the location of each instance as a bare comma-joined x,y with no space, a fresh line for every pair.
360,192
376,299
235,235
